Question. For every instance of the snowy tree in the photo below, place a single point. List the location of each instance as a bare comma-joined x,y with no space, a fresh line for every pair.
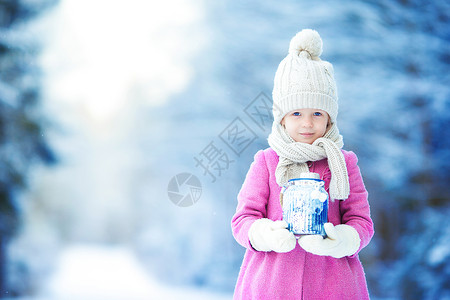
21,137
409,141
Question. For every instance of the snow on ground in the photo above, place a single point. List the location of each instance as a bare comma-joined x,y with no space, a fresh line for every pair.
87,272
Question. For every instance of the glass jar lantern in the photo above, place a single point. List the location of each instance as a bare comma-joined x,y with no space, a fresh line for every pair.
305,204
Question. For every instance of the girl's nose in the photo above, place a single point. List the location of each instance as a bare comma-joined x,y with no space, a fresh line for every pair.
307,122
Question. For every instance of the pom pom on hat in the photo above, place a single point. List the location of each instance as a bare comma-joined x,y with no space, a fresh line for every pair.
306,40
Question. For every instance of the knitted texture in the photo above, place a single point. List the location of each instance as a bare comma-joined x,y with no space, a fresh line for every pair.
294,155
303,80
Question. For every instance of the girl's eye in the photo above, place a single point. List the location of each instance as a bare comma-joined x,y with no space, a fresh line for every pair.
317,114
296,114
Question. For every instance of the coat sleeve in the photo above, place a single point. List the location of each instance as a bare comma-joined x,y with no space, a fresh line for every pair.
252,200
355,210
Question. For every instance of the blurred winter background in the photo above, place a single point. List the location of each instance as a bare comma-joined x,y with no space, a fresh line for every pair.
103,103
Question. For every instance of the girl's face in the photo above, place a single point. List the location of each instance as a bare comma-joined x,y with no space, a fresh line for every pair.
306,125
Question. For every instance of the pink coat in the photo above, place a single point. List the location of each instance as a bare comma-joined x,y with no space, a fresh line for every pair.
299,274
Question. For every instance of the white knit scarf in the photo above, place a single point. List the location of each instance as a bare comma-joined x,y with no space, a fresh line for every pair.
295,155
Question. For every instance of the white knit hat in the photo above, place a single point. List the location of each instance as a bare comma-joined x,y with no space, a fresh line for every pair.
303,80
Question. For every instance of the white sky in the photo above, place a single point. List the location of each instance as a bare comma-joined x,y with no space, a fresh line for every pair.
101,54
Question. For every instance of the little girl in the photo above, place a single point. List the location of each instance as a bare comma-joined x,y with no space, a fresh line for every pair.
304,138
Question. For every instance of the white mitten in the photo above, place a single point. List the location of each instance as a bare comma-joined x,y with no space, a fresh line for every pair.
267,235
342,240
